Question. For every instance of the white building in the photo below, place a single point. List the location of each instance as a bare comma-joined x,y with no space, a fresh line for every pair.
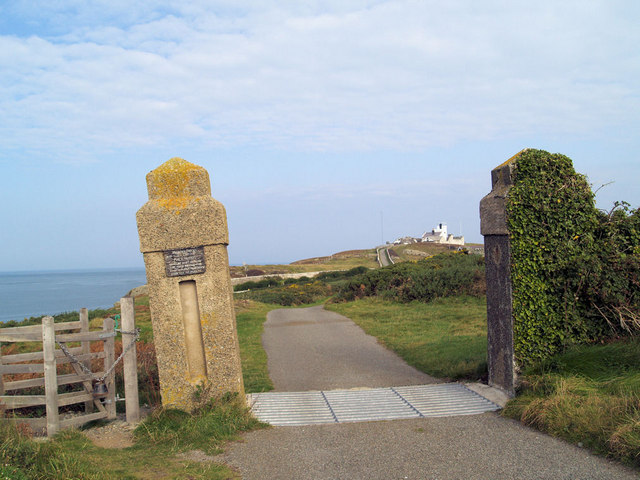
440,235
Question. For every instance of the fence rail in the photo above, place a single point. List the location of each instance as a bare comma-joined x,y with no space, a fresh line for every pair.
45,364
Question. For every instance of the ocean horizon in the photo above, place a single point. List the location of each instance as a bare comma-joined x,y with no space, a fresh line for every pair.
25,294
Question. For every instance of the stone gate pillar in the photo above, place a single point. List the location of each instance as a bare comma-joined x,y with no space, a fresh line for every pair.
497,251
183,238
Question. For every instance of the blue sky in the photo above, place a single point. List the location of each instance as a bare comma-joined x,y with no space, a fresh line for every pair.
314,119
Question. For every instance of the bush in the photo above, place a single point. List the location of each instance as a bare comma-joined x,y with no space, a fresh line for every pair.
613,290
341,275
443,275
293,294
575,271
257,284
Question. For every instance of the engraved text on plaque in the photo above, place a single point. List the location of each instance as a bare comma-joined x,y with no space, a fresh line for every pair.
185,261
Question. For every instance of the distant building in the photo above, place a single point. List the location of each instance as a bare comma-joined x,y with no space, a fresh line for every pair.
436,235
406,241
440,235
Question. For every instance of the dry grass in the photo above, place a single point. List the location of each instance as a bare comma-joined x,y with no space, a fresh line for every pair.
588,396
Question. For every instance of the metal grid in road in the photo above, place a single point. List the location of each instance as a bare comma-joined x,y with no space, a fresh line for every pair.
339,406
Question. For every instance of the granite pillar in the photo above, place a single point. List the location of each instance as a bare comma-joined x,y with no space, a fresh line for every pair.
183,238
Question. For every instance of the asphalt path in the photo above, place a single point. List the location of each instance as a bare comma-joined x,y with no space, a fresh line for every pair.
383,257
314,349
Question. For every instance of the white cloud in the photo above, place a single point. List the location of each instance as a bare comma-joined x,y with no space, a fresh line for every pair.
336,76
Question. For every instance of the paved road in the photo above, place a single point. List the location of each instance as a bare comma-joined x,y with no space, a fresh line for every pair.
465,448
383,256
314,349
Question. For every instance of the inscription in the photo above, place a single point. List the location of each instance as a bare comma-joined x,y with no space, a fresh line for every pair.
185,261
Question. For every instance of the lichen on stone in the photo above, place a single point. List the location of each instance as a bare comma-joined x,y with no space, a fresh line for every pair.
174,183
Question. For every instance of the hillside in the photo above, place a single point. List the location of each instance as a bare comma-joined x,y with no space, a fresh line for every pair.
338,261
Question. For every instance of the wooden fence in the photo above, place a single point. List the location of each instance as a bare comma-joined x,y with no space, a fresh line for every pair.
43,367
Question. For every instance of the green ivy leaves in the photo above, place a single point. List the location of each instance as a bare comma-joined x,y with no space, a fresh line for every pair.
551,216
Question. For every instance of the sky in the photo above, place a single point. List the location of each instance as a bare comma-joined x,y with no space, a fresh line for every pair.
324,125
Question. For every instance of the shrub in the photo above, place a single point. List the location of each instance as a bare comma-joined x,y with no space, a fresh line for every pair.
442,275
613,290
575,271
256,284
293,294
342,274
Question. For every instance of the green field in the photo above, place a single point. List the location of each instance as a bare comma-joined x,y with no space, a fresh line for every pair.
445,338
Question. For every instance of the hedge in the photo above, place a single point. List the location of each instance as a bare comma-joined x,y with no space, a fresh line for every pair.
573,267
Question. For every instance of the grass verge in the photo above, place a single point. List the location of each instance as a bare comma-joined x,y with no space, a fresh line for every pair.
250,317
159,440
589,395
163,435
445,338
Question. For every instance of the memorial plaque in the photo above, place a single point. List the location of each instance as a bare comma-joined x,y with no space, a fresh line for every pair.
185,261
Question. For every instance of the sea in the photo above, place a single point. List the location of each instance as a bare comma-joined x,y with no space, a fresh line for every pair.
30,294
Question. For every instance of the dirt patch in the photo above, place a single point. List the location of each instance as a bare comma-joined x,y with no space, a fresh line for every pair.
199,456
117,434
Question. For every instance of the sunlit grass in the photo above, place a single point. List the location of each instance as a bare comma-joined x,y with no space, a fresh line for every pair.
445,338
155,455
250,317
588,395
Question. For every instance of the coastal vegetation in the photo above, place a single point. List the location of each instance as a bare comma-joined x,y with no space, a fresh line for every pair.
588,395
575,273
439,276
431,312
338,261
575,270
169,444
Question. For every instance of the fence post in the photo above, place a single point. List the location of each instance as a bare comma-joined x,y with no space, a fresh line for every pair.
86,349
130,366
109,359
50,377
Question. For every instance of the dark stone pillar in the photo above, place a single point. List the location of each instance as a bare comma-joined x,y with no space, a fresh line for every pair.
497,250
497,254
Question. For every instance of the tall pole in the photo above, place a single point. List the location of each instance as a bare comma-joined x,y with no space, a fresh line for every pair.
381,228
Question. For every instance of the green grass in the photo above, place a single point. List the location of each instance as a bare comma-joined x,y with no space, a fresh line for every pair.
445,338
70,455
207,429
588,395
250,317
337,261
